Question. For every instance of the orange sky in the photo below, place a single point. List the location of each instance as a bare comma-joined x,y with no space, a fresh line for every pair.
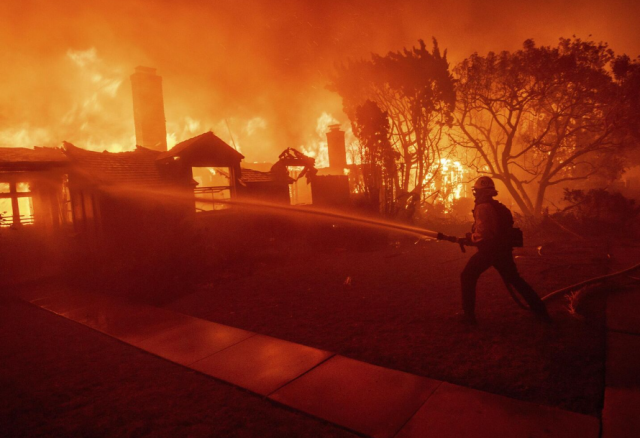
258,66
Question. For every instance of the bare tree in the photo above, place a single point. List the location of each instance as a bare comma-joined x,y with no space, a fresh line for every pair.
540,116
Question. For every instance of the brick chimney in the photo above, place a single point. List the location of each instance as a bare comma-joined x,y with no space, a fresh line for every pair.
148,109
337,149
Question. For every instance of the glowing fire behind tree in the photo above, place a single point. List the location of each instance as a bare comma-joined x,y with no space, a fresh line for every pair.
533,119
413,90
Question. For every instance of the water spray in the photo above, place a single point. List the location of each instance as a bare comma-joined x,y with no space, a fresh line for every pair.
285,209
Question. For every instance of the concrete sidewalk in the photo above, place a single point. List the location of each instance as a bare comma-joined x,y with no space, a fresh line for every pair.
361,397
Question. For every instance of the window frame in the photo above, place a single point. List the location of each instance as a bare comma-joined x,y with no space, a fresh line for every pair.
14,194
203,191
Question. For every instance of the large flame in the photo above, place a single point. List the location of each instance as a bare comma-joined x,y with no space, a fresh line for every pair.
99,115
446,182
253,72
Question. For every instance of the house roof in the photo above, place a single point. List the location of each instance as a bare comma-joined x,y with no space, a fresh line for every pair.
204,150
255,176
25,158
142,166
135,167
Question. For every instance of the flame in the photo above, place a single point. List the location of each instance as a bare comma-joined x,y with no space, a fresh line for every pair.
88,119
233,131
185,128
23,136
255,125
450,184
172,139
193,125
452,175
100,116
94,111
98,85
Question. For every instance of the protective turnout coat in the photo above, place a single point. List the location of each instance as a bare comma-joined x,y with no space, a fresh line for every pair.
485,226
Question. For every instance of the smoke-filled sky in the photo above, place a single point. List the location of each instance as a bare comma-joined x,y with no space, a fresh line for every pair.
253,69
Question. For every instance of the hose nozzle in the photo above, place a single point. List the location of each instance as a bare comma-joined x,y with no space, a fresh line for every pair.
453,239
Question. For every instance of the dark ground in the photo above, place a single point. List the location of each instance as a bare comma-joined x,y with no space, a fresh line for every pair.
393,305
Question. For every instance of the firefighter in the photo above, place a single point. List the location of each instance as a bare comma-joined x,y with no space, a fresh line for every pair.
493,223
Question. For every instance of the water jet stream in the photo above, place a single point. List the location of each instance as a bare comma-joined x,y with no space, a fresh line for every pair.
278,209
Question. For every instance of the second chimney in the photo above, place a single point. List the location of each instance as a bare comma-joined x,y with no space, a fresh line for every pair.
337,149
148,109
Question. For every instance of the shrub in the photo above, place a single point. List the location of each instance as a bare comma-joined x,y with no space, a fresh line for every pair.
598,212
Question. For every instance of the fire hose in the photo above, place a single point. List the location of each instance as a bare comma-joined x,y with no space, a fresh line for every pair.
589,282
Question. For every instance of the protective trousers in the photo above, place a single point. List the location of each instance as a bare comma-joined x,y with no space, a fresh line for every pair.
502,260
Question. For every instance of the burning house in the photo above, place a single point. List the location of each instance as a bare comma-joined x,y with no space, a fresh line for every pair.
104,194
101,192
149,186
31,182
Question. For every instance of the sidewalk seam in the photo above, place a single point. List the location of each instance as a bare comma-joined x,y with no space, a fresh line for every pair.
306,372
420,407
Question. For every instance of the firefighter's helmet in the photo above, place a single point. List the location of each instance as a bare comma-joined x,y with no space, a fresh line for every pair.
485,186
484,182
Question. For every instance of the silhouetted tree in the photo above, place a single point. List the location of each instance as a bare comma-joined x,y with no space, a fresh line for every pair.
541,116
376,155
599,211
415,89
